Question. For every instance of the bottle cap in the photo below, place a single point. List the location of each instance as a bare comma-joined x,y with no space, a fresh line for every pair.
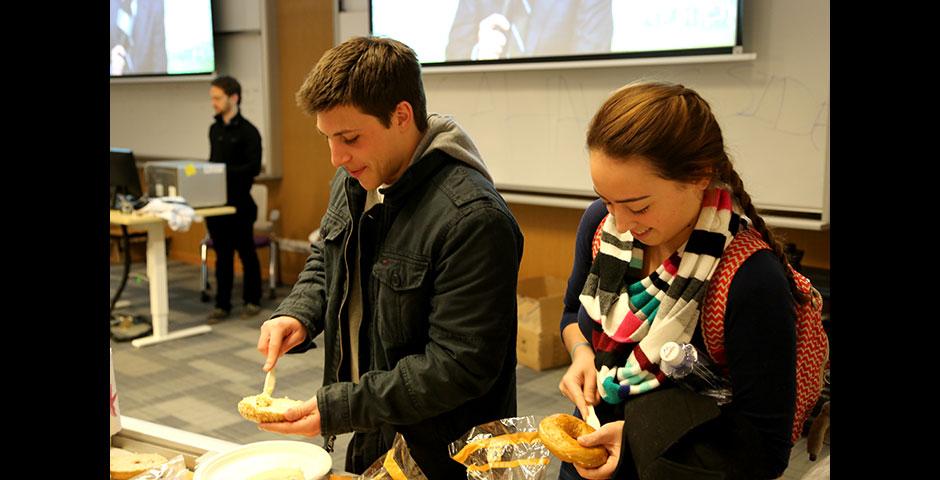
671,353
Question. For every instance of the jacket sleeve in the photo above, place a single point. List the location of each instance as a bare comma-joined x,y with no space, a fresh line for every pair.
307,299
471,328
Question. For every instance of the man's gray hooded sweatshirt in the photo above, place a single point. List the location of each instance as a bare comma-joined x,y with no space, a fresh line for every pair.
438,257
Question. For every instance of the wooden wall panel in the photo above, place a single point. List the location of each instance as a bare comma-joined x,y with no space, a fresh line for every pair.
815,245
304,33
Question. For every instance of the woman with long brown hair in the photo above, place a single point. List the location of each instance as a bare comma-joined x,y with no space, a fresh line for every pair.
671,208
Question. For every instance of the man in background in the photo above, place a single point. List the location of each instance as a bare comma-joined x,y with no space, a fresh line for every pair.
234,141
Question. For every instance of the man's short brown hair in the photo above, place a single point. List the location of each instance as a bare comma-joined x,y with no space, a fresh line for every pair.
229,85
370,73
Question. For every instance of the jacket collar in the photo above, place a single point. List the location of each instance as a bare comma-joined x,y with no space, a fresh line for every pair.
415,176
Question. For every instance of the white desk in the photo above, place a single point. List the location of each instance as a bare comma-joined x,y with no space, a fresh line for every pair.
156,272
135,431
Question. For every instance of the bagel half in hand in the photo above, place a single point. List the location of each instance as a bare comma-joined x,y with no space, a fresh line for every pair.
263,408
559,433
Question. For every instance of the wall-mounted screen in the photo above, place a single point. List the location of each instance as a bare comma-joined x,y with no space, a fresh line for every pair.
161,37
464,32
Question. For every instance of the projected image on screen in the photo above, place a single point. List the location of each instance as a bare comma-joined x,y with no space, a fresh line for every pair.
161,37
467,31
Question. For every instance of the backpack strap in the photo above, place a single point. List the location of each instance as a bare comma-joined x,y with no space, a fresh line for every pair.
812,344
742,246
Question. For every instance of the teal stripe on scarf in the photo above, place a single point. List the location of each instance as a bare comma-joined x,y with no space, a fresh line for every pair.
636,261
640,297
650,309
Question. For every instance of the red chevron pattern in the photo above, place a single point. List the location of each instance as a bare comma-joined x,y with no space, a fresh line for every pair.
596,243
812,345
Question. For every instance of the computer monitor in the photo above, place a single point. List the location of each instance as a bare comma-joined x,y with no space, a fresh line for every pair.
124,177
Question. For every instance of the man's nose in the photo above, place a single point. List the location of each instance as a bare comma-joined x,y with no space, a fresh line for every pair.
338,155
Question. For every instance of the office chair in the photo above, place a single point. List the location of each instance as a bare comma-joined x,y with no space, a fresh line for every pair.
265,237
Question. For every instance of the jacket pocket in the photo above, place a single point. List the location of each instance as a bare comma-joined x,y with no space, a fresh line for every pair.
401,301
334,230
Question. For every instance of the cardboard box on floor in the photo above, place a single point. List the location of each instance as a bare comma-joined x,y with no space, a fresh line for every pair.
541,302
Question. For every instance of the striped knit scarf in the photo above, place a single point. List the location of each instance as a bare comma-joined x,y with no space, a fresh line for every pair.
637,319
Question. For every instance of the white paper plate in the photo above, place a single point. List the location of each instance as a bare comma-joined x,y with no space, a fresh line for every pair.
253,458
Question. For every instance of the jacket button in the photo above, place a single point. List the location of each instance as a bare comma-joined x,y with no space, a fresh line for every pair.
396,280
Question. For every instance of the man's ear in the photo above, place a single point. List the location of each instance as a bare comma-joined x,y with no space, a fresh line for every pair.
403,115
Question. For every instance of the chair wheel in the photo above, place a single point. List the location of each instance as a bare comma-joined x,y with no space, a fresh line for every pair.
204,297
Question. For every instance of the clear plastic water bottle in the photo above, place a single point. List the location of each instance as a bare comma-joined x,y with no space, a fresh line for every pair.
683,363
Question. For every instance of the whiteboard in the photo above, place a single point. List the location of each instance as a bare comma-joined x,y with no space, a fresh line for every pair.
774,111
